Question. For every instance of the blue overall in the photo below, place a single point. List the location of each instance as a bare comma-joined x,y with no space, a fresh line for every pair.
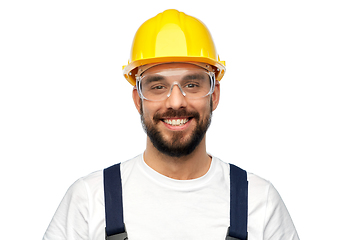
115,227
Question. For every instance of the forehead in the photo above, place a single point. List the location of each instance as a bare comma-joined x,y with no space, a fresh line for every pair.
173,69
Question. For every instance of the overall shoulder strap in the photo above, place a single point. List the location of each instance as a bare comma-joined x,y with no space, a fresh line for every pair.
238,204
115,227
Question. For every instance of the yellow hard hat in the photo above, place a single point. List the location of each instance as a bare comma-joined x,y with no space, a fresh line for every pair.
172,36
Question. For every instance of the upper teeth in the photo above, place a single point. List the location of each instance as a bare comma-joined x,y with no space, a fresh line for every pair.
176,122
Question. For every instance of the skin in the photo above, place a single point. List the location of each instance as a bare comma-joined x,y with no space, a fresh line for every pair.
197,163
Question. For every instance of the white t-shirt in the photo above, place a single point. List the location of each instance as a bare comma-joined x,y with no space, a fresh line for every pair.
158,207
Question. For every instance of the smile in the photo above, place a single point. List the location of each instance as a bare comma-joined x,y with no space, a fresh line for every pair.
176,122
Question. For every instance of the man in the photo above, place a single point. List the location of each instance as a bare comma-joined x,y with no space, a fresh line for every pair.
175,189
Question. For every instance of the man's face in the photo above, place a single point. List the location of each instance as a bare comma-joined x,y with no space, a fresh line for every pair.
178,124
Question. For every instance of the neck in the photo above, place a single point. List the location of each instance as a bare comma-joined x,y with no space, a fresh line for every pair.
192,166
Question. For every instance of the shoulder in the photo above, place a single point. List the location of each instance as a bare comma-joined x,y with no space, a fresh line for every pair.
84,189
91,182
262,193
255,182
260,190
73,214
94,181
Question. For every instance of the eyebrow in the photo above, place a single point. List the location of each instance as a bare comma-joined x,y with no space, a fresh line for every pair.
154,78
194,76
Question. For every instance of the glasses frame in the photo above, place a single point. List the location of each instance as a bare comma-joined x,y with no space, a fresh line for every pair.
212,87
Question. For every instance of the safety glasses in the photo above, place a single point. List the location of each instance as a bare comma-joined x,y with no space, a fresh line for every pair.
157,84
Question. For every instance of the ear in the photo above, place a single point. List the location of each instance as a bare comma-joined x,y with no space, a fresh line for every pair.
216,95
136,99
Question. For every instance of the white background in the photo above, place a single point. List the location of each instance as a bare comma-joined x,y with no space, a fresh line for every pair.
66,109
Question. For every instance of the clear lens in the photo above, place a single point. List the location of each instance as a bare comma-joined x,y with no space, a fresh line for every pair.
158,87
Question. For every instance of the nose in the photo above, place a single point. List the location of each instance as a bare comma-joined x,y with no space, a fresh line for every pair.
176,98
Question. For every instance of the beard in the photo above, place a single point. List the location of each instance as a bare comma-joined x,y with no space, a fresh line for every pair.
176,146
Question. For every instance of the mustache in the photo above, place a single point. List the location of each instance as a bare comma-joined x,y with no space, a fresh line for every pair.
171,113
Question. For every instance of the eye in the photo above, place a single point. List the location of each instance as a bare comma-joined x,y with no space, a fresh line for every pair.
157,87
191,85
